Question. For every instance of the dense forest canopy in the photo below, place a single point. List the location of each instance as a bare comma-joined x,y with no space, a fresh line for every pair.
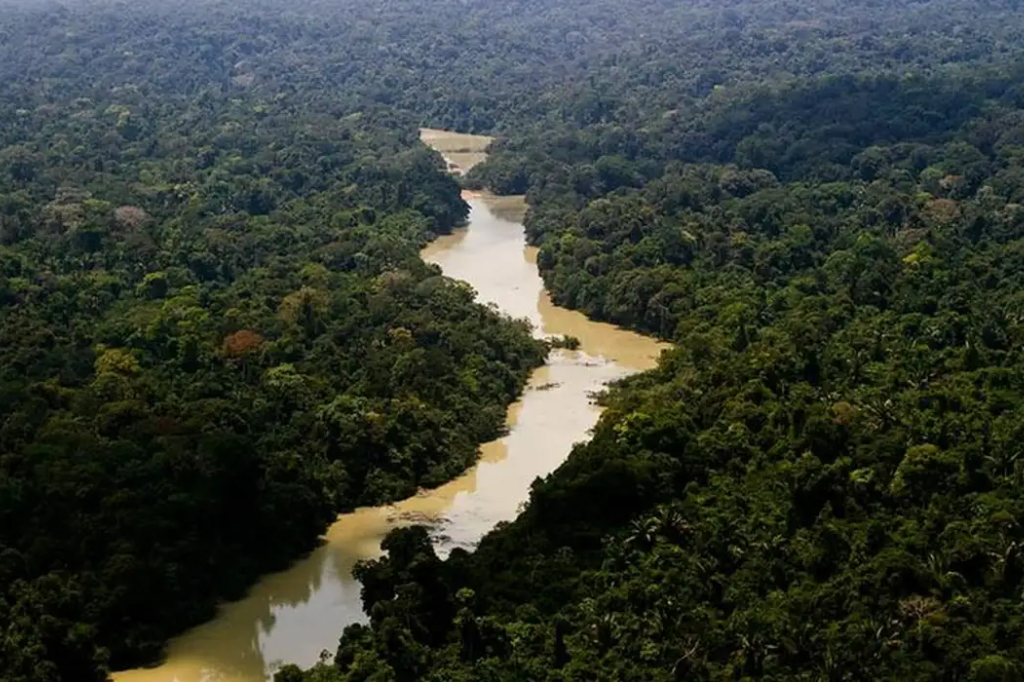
215,334
211,307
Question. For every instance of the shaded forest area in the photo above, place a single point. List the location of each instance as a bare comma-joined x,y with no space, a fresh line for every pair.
209,220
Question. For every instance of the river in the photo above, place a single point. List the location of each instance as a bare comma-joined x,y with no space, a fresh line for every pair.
291,616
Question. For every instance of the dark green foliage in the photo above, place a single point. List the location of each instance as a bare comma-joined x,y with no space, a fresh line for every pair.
822,481
211,310
215,334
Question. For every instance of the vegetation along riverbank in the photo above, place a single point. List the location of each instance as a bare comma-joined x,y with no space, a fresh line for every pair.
217,330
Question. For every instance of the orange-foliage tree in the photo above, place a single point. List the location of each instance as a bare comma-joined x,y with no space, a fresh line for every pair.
241,343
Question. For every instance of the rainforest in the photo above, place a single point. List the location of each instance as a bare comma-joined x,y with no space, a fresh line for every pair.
217,332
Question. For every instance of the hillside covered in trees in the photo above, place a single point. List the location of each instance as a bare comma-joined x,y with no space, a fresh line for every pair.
212,308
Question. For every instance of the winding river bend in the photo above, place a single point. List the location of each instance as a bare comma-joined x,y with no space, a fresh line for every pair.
290,617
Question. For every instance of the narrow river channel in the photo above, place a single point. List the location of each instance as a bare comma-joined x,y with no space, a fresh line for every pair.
290,617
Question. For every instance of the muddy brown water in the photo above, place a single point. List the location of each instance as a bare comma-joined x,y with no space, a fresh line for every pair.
294,615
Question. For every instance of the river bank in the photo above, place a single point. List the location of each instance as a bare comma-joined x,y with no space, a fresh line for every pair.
291,616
